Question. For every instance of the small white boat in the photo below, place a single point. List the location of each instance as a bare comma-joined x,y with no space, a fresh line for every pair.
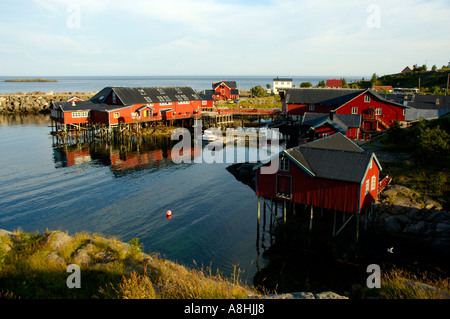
210,136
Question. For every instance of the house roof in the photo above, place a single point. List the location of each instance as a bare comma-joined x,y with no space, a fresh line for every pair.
320,96
318,119
334,142
282,79
344,120
230,84
417,101
145,95
83,106
334,157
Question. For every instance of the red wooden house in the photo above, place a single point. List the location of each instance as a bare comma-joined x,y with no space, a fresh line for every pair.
377,113
318,125
225,90
332,173
115,105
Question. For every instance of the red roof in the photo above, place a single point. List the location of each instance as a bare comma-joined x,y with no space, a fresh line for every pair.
334,83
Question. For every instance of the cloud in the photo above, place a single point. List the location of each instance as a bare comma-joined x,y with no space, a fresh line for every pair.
242,37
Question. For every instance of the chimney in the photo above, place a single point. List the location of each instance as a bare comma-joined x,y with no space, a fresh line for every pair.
332,115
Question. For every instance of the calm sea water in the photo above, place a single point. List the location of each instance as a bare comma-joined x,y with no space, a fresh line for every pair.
96,83
125,192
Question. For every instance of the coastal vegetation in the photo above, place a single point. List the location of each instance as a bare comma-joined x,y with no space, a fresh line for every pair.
427,148
34,266
432,81
270,102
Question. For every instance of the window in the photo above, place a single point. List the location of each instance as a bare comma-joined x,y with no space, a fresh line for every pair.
116,115
373,183
178,90
114,97
79,114
311,107
354,110
367,187
142,92
284,164
404,112
147,99
366,99
161,91
378,111
204,102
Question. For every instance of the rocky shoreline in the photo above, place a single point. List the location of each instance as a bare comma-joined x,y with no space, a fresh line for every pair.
36,102
402,212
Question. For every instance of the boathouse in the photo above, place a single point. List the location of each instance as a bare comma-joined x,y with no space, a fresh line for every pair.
378,113
332,174
318,125
115,105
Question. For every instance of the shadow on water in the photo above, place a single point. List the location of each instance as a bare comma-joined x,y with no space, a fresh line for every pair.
299,260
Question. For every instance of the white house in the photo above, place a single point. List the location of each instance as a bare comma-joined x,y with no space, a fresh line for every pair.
281,83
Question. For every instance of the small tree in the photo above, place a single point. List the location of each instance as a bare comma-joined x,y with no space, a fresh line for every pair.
434,143
258,91
306,85
374,79
322,84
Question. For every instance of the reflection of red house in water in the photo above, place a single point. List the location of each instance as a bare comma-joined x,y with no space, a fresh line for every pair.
78,156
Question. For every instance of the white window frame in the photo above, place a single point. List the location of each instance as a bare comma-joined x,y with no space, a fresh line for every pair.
367,187
284,164
76,115
355,110
373,183
378,111
366,99
116,115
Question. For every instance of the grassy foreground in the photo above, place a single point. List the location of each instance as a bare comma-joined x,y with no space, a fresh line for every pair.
35,266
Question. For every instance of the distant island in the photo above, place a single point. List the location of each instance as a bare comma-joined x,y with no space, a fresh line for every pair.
30,80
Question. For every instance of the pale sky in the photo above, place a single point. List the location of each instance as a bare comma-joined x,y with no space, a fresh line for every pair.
212,37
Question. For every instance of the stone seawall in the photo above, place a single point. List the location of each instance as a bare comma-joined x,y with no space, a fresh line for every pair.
36,102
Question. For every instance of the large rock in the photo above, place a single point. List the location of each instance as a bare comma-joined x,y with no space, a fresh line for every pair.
57,240
301,295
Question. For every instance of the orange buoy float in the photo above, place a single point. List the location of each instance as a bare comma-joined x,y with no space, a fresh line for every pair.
169,214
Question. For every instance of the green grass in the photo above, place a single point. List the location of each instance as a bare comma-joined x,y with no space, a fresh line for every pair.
117,271
402,284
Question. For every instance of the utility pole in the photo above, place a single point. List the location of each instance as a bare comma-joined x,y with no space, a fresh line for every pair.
448,80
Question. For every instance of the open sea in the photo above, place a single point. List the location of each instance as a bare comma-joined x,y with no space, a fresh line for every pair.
96,83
